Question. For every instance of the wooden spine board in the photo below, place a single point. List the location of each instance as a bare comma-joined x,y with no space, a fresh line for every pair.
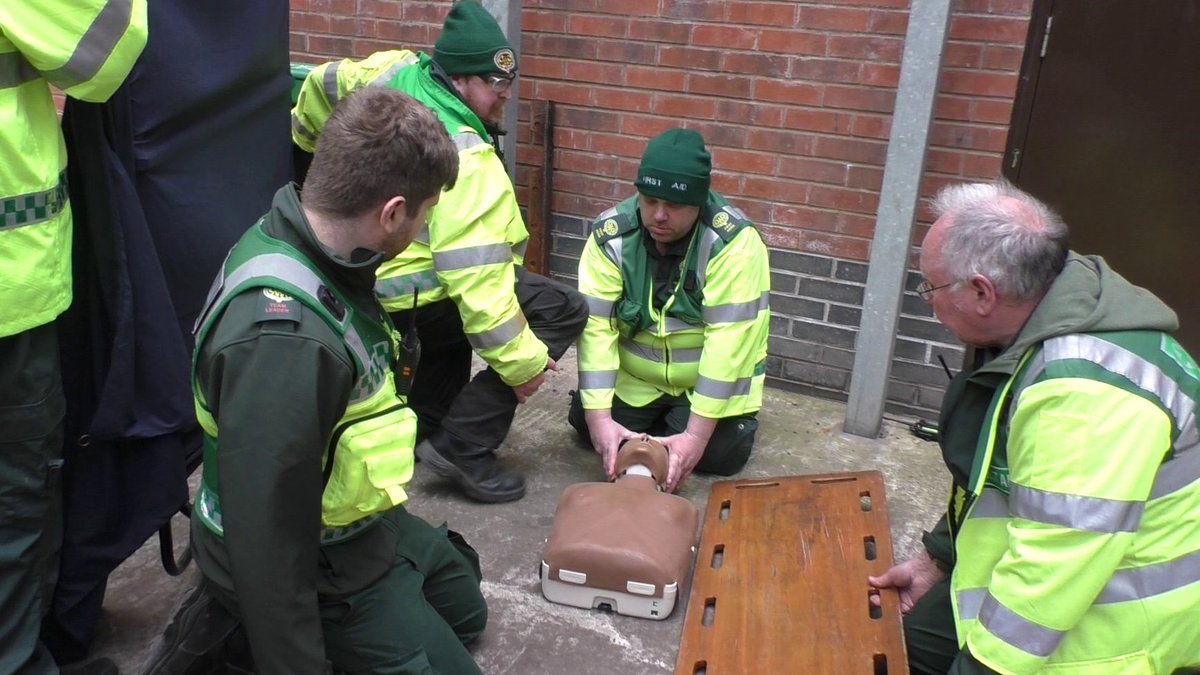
780,584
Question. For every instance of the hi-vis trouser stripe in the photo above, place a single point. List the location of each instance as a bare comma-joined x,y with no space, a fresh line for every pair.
35,207
278,267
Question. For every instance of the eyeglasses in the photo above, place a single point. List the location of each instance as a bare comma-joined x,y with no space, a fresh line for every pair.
499,83
926,289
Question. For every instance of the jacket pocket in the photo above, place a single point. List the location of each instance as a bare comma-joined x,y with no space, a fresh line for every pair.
372,462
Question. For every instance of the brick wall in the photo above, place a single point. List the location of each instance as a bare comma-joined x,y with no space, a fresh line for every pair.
795,101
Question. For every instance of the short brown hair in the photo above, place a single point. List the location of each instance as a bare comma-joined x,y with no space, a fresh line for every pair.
377,144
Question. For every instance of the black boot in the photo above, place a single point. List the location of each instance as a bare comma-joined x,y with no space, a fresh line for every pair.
203,638
481,477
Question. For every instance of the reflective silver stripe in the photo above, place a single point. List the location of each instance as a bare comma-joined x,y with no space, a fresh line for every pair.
386,76
991,503
613,249
1137,370
95,47
467,140
500,335
330,83
608,213
674,325
34,207
16,70
518,248
474,256
1091,514
398,287
708,239
1142,582
598,307
1021,633
969,602
301,130
281,267
597,379
736,311
213,290
1035,367
1180,471
658,355
722,390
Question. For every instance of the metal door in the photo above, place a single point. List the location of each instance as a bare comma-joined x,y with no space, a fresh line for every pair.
1106,128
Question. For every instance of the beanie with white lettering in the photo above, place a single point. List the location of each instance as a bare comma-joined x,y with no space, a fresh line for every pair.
676,167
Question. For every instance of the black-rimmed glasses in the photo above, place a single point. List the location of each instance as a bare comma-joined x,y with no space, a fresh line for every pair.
926,289
499,83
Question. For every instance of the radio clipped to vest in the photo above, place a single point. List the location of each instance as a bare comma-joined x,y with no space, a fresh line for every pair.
408,355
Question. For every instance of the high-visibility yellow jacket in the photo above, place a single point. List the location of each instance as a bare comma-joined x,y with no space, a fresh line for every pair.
1080,547
708,340
475,238
86,48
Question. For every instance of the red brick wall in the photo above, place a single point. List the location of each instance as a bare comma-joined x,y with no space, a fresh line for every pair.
793,97
795,101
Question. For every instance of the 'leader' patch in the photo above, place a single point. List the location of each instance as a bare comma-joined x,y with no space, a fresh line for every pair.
276,305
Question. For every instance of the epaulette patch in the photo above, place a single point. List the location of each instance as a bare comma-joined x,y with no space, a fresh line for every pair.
276,305
728,221
610,224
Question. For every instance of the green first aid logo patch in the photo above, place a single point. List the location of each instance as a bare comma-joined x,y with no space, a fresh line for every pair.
277,306
721,222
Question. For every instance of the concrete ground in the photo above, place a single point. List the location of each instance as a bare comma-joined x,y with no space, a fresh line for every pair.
527,635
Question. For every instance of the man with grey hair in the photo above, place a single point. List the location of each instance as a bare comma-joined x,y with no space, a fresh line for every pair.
1070,539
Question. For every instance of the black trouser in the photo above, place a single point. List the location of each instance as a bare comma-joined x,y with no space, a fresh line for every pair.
31,417
469,417
726,453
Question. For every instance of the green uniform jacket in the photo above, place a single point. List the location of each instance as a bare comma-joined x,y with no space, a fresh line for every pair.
1075,459
475,238
278,382
86,48
709,341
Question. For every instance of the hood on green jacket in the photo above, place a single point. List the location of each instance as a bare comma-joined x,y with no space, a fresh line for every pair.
1087,297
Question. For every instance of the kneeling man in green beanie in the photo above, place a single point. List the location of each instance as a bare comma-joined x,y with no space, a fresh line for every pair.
677,282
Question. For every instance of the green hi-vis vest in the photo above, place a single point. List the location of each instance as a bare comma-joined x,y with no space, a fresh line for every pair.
679,325
85,48
1078,547
369,459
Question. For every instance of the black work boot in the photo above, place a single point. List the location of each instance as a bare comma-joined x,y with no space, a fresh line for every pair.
482,477
100,666
200,640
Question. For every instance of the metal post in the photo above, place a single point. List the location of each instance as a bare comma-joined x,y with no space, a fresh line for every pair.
928,22
508,15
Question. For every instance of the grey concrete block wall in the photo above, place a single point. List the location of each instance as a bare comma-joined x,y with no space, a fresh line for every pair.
816,309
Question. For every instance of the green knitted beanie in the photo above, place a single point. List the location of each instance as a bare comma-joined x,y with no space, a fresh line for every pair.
472,43
675,168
